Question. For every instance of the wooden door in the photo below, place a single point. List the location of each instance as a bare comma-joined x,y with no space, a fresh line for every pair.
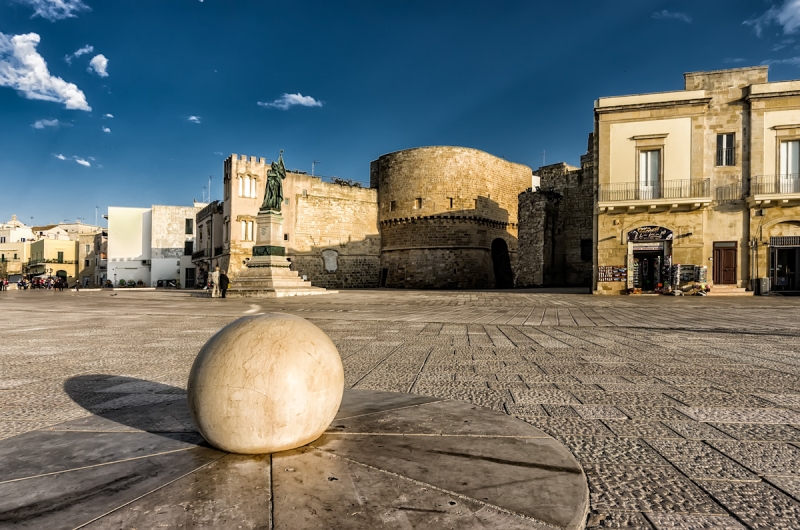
725,266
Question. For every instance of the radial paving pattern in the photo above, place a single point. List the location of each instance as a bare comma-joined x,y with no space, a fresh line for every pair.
684,412
388,460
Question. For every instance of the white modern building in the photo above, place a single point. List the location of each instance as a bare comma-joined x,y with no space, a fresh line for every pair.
151,244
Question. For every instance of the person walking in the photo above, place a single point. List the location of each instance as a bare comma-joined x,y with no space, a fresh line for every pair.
223,283
215,283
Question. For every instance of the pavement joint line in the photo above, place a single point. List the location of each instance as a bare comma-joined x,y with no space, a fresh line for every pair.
95,465
150,492
438,400
436,435
442,490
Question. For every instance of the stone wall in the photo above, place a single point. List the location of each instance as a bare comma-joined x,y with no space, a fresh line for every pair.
318,216
441,209
556,225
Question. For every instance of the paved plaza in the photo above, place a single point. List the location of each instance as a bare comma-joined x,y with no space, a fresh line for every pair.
684,412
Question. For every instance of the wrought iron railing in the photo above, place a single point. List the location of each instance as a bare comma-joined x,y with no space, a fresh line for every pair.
38,261
217,251
775,184
726,157
729,192
666,189
200,254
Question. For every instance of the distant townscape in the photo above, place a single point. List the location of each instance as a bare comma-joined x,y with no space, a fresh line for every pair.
694,191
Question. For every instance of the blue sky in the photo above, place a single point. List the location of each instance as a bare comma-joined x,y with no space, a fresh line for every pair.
133,103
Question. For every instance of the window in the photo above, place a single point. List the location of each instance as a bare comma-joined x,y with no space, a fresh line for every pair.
247,187
418,203
86,263
649,174
475,203
15,256
790,159
286,202
241,186
450,199
189,227
87,248
2,239
392,206
188,248
61,257
725,150
247,230
286,237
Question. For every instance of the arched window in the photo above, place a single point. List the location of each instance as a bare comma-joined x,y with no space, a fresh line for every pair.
241,189
249,230
247,186
253,188
244,230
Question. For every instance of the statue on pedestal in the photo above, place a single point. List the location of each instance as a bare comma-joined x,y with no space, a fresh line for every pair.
273,196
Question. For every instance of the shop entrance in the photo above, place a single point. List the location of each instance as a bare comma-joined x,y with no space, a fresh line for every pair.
647,268
783,267
725,263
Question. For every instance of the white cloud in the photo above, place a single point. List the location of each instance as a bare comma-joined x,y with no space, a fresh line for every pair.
23,69
54,10
792,61
82,162
672,15
287,101
98,64
41,124
733,60
60,156
194,119
108,115
77,53
786,15
106,130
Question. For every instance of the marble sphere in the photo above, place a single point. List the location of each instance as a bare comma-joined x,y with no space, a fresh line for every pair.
265,383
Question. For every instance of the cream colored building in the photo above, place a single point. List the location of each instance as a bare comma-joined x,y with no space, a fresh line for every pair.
54,257
708,177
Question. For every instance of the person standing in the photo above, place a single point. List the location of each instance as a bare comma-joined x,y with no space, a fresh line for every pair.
223,283
215,283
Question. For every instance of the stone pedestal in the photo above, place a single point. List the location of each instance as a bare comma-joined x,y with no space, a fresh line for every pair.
268,274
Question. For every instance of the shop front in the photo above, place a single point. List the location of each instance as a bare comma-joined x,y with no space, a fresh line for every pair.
784,263
649,258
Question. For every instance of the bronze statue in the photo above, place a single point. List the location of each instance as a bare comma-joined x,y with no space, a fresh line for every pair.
273,195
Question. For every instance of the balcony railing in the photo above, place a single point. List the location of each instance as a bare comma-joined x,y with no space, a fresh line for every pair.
729,192
775,184
39,261
666,189
725,157
217,251
200,254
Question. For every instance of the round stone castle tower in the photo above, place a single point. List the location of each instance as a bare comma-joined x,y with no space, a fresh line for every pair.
448,217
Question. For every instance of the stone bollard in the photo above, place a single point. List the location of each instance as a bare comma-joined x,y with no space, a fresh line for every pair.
265,383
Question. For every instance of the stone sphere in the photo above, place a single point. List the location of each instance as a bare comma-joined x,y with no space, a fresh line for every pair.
265,383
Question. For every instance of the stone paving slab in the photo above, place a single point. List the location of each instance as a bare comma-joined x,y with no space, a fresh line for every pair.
721,372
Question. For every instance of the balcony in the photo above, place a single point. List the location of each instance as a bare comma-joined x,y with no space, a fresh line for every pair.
666,195
39,261
201,254
774,190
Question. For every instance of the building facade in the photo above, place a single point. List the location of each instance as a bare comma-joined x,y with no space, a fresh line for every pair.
556,226
699,185
152,245
330,229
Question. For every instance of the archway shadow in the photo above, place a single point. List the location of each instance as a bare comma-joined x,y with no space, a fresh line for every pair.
121,403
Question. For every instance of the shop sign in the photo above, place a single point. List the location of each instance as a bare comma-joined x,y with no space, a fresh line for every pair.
648,246
650,233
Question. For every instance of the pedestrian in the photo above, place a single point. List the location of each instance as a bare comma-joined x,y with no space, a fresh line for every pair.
215,283
224,283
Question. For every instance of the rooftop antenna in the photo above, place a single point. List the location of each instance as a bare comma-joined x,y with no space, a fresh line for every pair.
313,163
209,187
543,155
204,194
95,216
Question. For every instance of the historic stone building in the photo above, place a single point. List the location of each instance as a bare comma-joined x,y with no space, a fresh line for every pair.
432,217
448,217
707,178
556,226
330,228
